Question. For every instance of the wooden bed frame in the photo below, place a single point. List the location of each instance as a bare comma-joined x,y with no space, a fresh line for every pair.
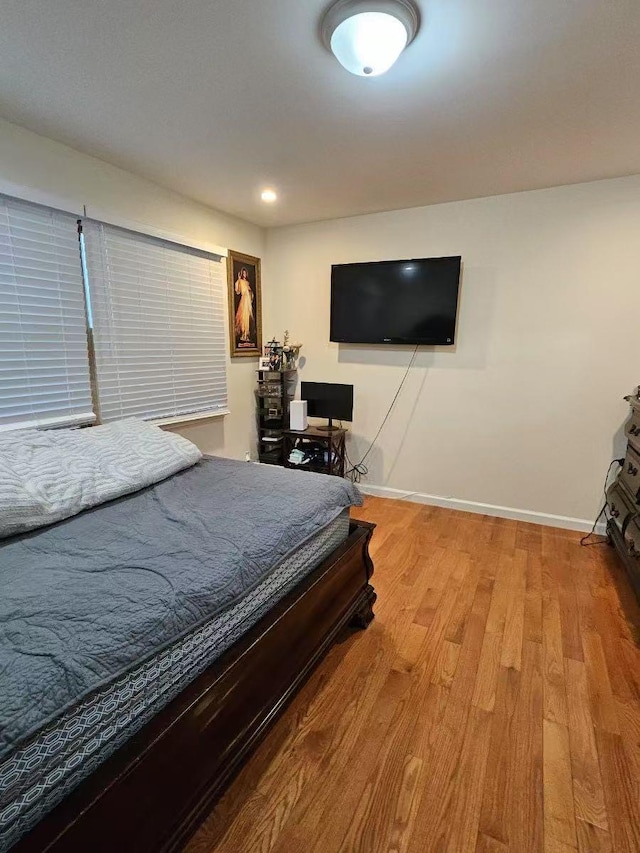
154,791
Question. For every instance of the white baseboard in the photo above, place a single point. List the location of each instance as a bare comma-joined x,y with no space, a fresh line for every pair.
562,521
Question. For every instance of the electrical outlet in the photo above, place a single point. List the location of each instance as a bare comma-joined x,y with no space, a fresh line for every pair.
247,456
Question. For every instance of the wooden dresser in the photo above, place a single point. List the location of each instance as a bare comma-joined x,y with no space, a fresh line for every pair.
623,499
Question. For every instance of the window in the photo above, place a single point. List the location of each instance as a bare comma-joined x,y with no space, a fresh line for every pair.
151,312
44,369
158,314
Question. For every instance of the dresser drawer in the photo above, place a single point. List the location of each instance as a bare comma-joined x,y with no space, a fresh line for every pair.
630,473
632,428
632,537
620,505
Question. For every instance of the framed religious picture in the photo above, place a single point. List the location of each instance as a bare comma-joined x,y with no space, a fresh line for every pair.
245,305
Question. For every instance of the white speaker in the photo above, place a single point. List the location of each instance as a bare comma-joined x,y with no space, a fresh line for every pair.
298,414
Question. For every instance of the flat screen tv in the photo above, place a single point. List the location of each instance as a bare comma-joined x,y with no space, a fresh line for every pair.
395,302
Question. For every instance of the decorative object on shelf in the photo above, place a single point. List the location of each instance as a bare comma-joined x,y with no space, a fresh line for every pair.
290,352
264,363
245,305
273,351
275,391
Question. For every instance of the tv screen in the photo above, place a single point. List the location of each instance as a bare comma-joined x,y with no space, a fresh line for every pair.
395,302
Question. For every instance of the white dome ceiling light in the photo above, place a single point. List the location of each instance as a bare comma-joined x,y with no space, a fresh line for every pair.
368,36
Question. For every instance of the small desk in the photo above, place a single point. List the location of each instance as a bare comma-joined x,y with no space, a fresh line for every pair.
321,441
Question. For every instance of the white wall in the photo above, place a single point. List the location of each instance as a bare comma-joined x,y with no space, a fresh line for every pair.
29,160
526,412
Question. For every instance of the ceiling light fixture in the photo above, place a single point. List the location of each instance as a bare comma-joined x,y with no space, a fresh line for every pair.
269,196
368,36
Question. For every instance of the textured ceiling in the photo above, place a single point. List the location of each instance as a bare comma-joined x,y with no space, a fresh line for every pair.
218,99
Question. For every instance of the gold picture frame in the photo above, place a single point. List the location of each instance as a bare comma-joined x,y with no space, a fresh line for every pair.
245,305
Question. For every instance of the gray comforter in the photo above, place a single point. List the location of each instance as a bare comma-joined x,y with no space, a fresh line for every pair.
85,600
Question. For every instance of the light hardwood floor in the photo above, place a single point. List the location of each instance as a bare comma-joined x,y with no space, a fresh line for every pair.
492,706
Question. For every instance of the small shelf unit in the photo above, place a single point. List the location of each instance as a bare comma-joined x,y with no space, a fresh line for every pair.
276,389
327,449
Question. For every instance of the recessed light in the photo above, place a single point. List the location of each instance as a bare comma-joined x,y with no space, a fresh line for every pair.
269,196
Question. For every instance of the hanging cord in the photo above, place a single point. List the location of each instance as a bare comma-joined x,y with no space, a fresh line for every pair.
359,470
355,473
603,540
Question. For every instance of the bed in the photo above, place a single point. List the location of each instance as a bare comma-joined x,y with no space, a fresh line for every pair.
147,643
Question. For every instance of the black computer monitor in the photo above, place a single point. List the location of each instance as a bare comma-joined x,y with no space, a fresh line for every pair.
328,400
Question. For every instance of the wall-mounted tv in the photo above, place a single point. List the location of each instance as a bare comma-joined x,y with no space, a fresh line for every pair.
395,302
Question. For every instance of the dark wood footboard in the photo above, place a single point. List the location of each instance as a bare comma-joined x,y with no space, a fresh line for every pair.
151,794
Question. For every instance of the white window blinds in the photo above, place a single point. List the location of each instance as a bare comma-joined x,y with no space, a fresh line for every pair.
44,368
158,325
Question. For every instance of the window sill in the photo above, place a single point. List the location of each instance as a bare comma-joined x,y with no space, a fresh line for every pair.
187,420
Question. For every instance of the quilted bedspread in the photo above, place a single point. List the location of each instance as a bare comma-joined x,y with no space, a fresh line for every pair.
87,599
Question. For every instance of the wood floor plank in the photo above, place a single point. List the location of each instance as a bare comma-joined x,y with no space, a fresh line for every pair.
585,768
464,808
405,740
462,686
431,827
559,813
625,606
569,621
592,839
411,650
555,694
628,657
316,806
464,600
416,565
407,803
389,801
443,571
428,607
581,561
603,709
552,845
495,818
628,719
514,620
318,734
447,661
486,844
529,536
329,826
312,803
532,630
622,656
525,791
484,691
501,593
559,564
504,534
622,791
